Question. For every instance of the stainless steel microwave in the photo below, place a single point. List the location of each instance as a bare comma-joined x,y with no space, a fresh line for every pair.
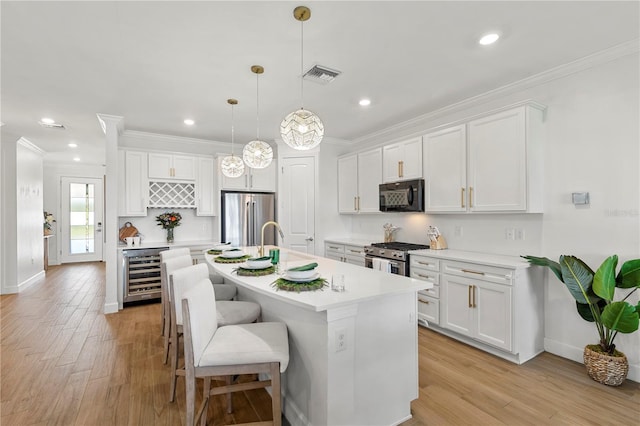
403,196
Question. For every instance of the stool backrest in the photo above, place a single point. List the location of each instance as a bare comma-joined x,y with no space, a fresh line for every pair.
182,280
169,266
168,254
198,303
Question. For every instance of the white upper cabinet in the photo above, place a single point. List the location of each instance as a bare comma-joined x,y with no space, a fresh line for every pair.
263,180
359,177
172,166
491,164
445,170
133,183
402,160
205,187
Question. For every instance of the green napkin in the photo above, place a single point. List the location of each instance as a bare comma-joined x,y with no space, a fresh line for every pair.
307,267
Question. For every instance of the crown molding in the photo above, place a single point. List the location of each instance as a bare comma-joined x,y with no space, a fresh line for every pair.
104,118
587,62
30,146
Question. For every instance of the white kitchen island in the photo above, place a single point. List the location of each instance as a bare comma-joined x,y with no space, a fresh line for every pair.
353,355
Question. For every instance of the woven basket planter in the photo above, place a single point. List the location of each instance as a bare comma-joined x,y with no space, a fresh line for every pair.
605,369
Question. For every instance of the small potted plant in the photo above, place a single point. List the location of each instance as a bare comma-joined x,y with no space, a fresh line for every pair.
169,221
594,293
49,220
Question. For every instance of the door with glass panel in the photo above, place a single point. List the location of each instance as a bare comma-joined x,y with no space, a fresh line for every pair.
81,236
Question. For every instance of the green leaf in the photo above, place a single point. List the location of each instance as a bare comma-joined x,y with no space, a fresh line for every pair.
585,312
629,275
620,316
577,276
543,261
604,282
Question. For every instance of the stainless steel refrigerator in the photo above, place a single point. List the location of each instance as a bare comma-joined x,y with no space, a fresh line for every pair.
243,215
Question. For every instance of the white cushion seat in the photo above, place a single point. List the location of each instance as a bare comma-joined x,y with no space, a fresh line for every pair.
248,344
236,312
225,291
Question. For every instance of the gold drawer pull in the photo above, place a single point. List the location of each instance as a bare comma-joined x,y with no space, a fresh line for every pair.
423,301
462,198
472,272
470,288
423,263
470,196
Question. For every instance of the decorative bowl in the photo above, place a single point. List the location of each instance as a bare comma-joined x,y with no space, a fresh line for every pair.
301,274
258,263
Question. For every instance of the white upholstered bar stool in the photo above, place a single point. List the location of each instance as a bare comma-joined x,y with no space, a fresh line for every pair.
227,312
164,287
211,351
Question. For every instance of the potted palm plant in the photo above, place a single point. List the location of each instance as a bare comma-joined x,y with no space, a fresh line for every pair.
594,293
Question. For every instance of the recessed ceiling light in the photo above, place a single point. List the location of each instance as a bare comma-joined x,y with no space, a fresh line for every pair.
72,145
76,158
189,122
365,102
489,39
48,120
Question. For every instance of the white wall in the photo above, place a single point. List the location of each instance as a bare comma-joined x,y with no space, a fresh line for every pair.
53,172
22,224
592,145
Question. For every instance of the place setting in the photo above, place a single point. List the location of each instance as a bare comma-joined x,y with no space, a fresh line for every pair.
232,255
256,267
301,278
219,248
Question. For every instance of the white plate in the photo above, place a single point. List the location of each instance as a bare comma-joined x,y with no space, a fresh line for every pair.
301,280
297,275
221,247
245,265
232,254
258,264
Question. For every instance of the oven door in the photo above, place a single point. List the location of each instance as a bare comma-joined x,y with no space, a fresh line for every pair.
397,267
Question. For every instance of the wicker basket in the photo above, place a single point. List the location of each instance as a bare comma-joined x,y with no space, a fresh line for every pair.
605,369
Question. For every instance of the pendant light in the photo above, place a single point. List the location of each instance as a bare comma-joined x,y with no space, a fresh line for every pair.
257,154
302,129
231,165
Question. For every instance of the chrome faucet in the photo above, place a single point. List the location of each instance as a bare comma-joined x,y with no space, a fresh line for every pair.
261,250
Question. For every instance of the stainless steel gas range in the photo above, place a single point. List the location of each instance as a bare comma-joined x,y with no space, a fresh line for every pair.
396,253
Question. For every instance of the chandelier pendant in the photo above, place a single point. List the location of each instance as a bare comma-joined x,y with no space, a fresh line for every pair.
231,165
257,154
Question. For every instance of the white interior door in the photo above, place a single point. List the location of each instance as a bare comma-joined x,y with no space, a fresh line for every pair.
81,221
297,203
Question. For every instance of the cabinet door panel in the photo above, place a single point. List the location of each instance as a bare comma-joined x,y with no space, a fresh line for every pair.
263,179
369,180
457,315
159,166
412,159
392,155
445,170
347,184
497,162
184,167
493,312
205,195
241,182
136,184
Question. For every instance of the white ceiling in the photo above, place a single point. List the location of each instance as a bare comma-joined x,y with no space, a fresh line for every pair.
158,62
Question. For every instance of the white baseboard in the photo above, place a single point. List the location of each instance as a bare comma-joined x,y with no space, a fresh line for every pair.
29,281
111,308
576,354
294,416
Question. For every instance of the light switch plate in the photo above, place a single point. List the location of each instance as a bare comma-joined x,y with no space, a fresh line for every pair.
580,198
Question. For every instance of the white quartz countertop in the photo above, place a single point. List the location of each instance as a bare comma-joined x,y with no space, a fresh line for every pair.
512,262
361,283
351,241
158,244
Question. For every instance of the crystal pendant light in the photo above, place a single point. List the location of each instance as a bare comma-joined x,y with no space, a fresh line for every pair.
302,129
257,154
231,165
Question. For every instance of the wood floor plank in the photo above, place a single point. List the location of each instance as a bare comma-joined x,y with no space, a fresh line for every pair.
63,362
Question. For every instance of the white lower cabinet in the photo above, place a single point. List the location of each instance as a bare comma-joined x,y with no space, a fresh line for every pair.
348,253
475,299
478,309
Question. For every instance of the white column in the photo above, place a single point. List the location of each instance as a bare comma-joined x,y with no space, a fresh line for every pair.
112,126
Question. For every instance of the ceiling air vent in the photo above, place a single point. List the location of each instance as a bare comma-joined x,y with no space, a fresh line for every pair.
52,125
321,74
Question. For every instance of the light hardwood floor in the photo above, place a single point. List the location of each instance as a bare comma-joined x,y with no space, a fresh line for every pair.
65,363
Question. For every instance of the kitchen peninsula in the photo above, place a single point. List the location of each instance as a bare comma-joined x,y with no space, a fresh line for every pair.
354,354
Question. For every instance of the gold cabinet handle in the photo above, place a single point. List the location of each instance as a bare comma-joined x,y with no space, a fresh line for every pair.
473,297
470,289
423,263
469,271
470,196
358,203
462,197
423,301
355,203
401,167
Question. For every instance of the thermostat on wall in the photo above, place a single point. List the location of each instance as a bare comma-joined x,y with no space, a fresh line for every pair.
580,198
